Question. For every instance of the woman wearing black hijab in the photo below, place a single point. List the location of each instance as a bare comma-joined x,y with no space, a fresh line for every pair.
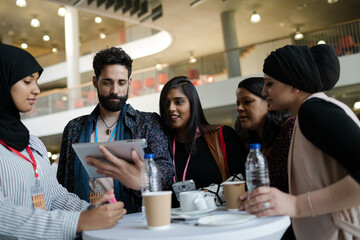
324,166
27,185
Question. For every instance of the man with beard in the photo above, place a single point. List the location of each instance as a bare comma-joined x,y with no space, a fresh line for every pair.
112,119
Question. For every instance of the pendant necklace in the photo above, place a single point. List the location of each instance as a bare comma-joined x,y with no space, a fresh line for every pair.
108,130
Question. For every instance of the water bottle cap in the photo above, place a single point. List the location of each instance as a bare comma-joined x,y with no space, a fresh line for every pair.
254,145
149,155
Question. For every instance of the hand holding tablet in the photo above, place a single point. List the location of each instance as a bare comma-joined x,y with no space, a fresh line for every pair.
120,149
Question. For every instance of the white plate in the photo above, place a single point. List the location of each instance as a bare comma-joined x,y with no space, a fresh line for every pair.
177,211
224,219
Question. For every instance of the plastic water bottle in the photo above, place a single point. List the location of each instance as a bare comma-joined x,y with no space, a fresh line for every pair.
257,173
150,178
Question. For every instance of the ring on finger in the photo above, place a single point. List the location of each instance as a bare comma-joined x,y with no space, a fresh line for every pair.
266,205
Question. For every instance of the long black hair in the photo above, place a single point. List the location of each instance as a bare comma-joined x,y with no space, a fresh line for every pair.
273,119
197,116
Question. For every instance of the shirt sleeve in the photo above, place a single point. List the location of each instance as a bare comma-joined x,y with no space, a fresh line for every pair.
158,144
329,128
236,151
32,223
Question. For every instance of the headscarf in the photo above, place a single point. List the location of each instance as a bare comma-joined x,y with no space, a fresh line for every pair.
15,64
311,70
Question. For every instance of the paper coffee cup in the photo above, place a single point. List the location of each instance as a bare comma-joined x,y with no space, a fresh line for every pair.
158,209
232,192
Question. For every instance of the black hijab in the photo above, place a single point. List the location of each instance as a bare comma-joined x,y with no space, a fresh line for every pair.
15,64
311,70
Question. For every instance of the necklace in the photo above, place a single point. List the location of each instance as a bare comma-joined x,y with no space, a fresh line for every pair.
108,130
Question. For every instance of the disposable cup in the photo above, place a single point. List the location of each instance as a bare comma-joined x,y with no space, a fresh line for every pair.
157,209
232,192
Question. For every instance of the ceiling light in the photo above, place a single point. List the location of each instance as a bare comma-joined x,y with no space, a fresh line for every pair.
158,66
54,50
102,35
62,11
255,18
11,32
192,59
35,22
321,42
21,3
24,45
332,1
98,19
298,34
196,3
46,37
357,105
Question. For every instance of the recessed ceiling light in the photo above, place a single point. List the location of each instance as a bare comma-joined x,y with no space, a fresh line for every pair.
21,3
24,45
255,18
332,1
46,38
11,32
35,22
321,42
98,19
62,11
102,35
54,50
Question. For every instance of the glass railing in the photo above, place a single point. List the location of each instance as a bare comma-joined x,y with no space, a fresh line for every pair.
206,70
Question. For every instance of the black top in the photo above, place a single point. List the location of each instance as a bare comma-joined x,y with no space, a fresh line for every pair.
202,167
329,128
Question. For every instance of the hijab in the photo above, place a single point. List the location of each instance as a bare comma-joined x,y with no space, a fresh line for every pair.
15,64
311,70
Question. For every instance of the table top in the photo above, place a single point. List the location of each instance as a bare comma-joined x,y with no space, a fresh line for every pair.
133,227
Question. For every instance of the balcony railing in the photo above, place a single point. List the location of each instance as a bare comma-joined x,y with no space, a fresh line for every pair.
207,70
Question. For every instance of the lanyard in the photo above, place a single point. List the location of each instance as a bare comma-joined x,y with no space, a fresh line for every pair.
188,160
32,161
96,133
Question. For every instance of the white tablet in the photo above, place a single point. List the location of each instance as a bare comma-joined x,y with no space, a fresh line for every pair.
121,149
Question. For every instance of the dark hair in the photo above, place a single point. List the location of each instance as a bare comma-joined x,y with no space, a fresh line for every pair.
110,56
197,116
273,119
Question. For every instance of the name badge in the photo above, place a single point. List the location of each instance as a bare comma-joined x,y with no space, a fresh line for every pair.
37,195
93,196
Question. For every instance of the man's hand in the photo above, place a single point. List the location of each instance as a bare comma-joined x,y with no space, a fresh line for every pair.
103,216
127,173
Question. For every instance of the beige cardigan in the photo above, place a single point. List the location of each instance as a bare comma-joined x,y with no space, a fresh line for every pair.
311,169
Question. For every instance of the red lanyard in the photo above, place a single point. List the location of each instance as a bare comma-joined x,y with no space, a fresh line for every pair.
188,160
32,161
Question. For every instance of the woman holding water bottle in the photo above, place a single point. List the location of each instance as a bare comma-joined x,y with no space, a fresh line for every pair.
324,175
272,129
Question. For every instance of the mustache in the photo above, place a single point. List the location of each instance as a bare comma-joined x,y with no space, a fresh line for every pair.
113,96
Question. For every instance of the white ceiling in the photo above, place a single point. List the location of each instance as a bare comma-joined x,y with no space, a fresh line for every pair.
193,29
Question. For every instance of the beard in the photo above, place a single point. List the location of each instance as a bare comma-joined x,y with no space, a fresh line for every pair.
112,106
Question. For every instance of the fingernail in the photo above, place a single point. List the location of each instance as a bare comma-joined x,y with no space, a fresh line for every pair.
133,153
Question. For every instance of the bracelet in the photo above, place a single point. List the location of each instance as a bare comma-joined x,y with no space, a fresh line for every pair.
310,205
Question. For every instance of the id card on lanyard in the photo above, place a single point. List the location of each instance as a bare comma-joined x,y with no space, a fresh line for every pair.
93,196
37,191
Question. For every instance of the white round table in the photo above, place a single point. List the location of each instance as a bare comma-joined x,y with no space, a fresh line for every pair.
132,227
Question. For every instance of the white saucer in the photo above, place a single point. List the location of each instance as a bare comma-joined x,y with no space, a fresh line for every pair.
224,219
177,211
